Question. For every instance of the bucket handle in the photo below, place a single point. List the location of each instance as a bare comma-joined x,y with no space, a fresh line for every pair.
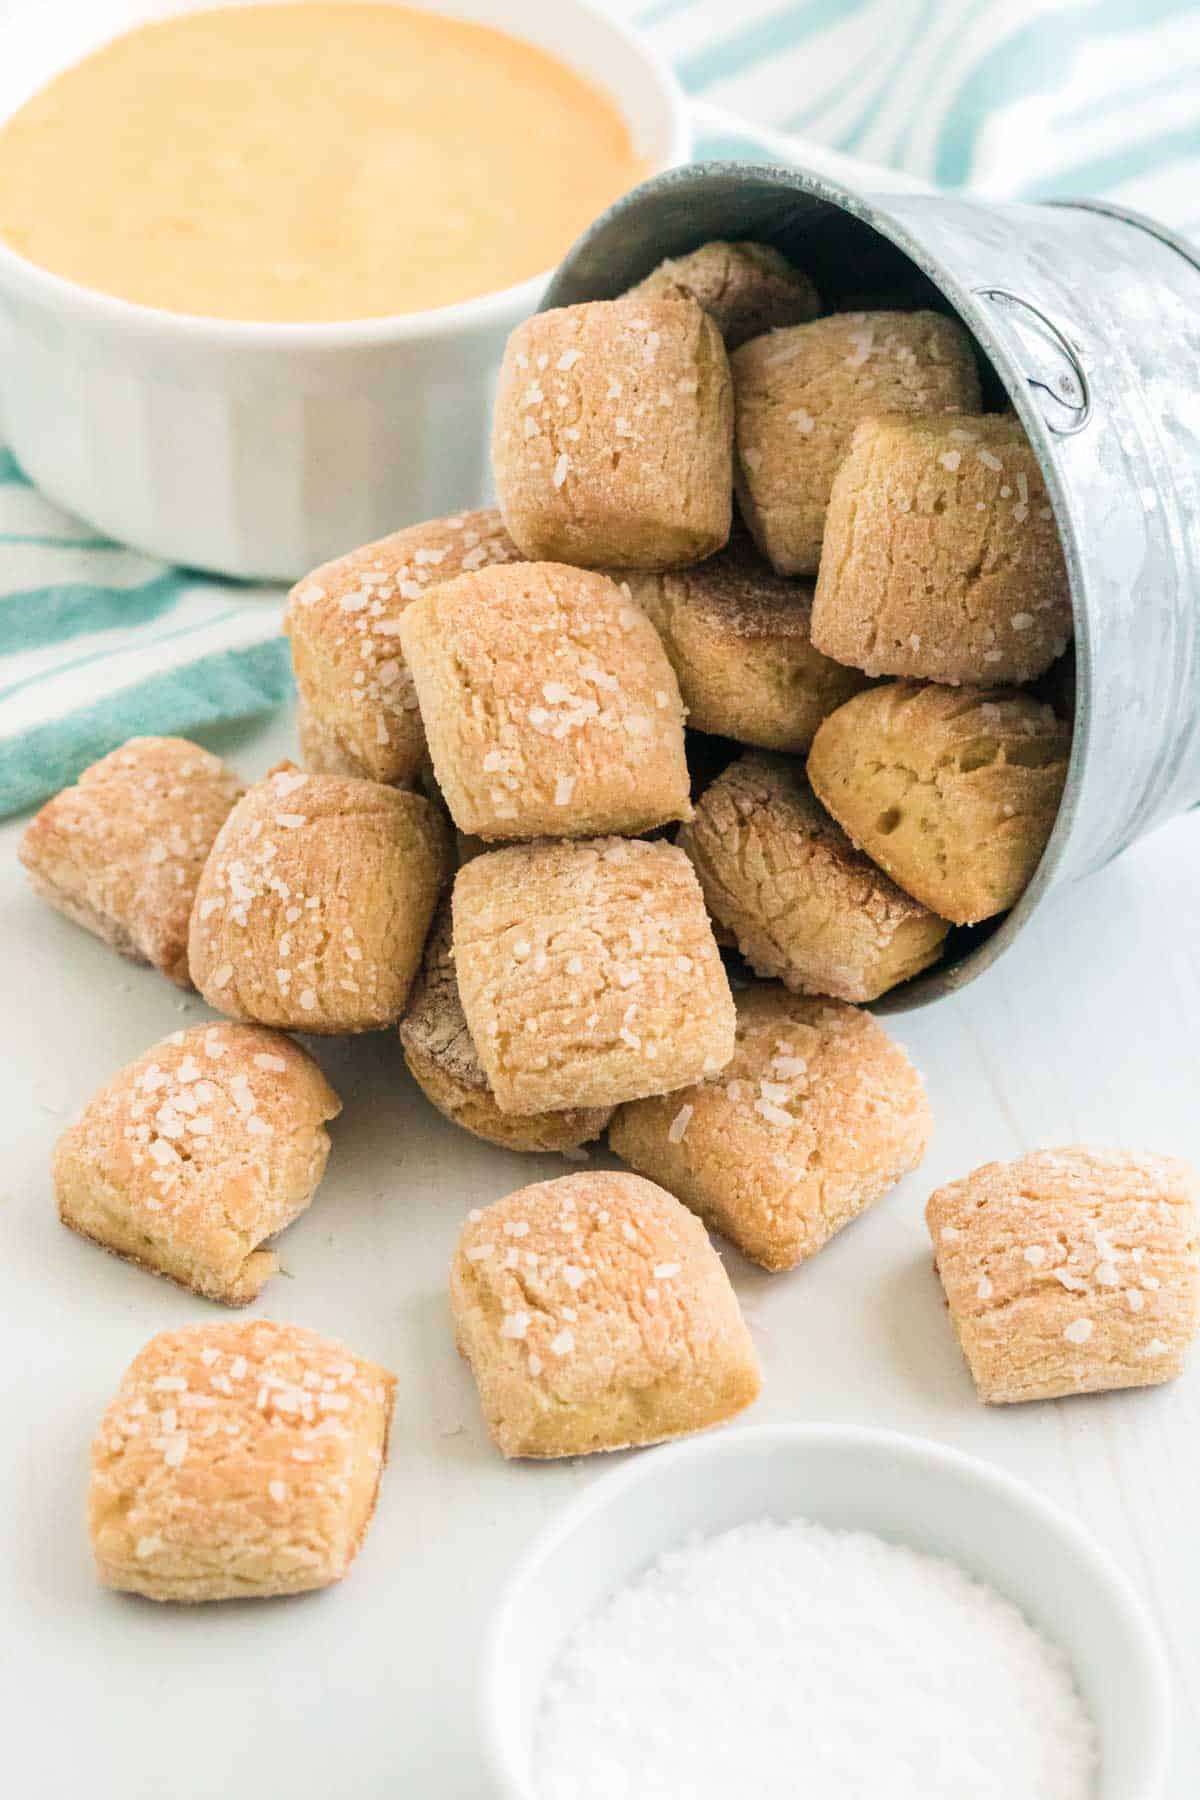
1050,360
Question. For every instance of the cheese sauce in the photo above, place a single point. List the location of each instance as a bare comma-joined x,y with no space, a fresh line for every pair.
309,161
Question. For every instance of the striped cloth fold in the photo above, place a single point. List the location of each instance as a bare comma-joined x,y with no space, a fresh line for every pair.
1023,100
1038,97
99,643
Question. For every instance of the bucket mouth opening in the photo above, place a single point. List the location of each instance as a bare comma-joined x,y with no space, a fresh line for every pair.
858,264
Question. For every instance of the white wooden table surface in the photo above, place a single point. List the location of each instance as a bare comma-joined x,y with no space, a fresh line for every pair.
1087,1031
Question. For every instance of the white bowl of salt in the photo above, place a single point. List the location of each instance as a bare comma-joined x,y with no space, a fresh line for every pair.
811,1612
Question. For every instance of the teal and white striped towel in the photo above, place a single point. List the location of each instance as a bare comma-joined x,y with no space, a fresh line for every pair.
1027,99
98,643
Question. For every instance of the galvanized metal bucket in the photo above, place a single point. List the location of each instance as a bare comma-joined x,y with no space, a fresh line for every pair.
1089,318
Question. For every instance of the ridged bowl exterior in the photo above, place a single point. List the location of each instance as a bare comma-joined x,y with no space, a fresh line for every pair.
247,461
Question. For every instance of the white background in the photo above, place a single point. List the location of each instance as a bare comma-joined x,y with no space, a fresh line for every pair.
1086,1031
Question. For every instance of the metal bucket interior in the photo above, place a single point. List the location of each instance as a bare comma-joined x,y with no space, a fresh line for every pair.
869,250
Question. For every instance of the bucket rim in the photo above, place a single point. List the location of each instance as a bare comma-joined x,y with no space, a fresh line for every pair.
1128,215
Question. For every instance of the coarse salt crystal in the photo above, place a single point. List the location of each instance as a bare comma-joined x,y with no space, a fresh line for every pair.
679,1124
1078,1331
864,344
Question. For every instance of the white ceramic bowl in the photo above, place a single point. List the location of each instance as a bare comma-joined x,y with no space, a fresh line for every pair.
254,449
906,1489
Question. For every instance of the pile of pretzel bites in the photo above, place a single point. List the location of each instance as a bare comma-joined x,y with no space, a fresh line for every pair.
618,802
